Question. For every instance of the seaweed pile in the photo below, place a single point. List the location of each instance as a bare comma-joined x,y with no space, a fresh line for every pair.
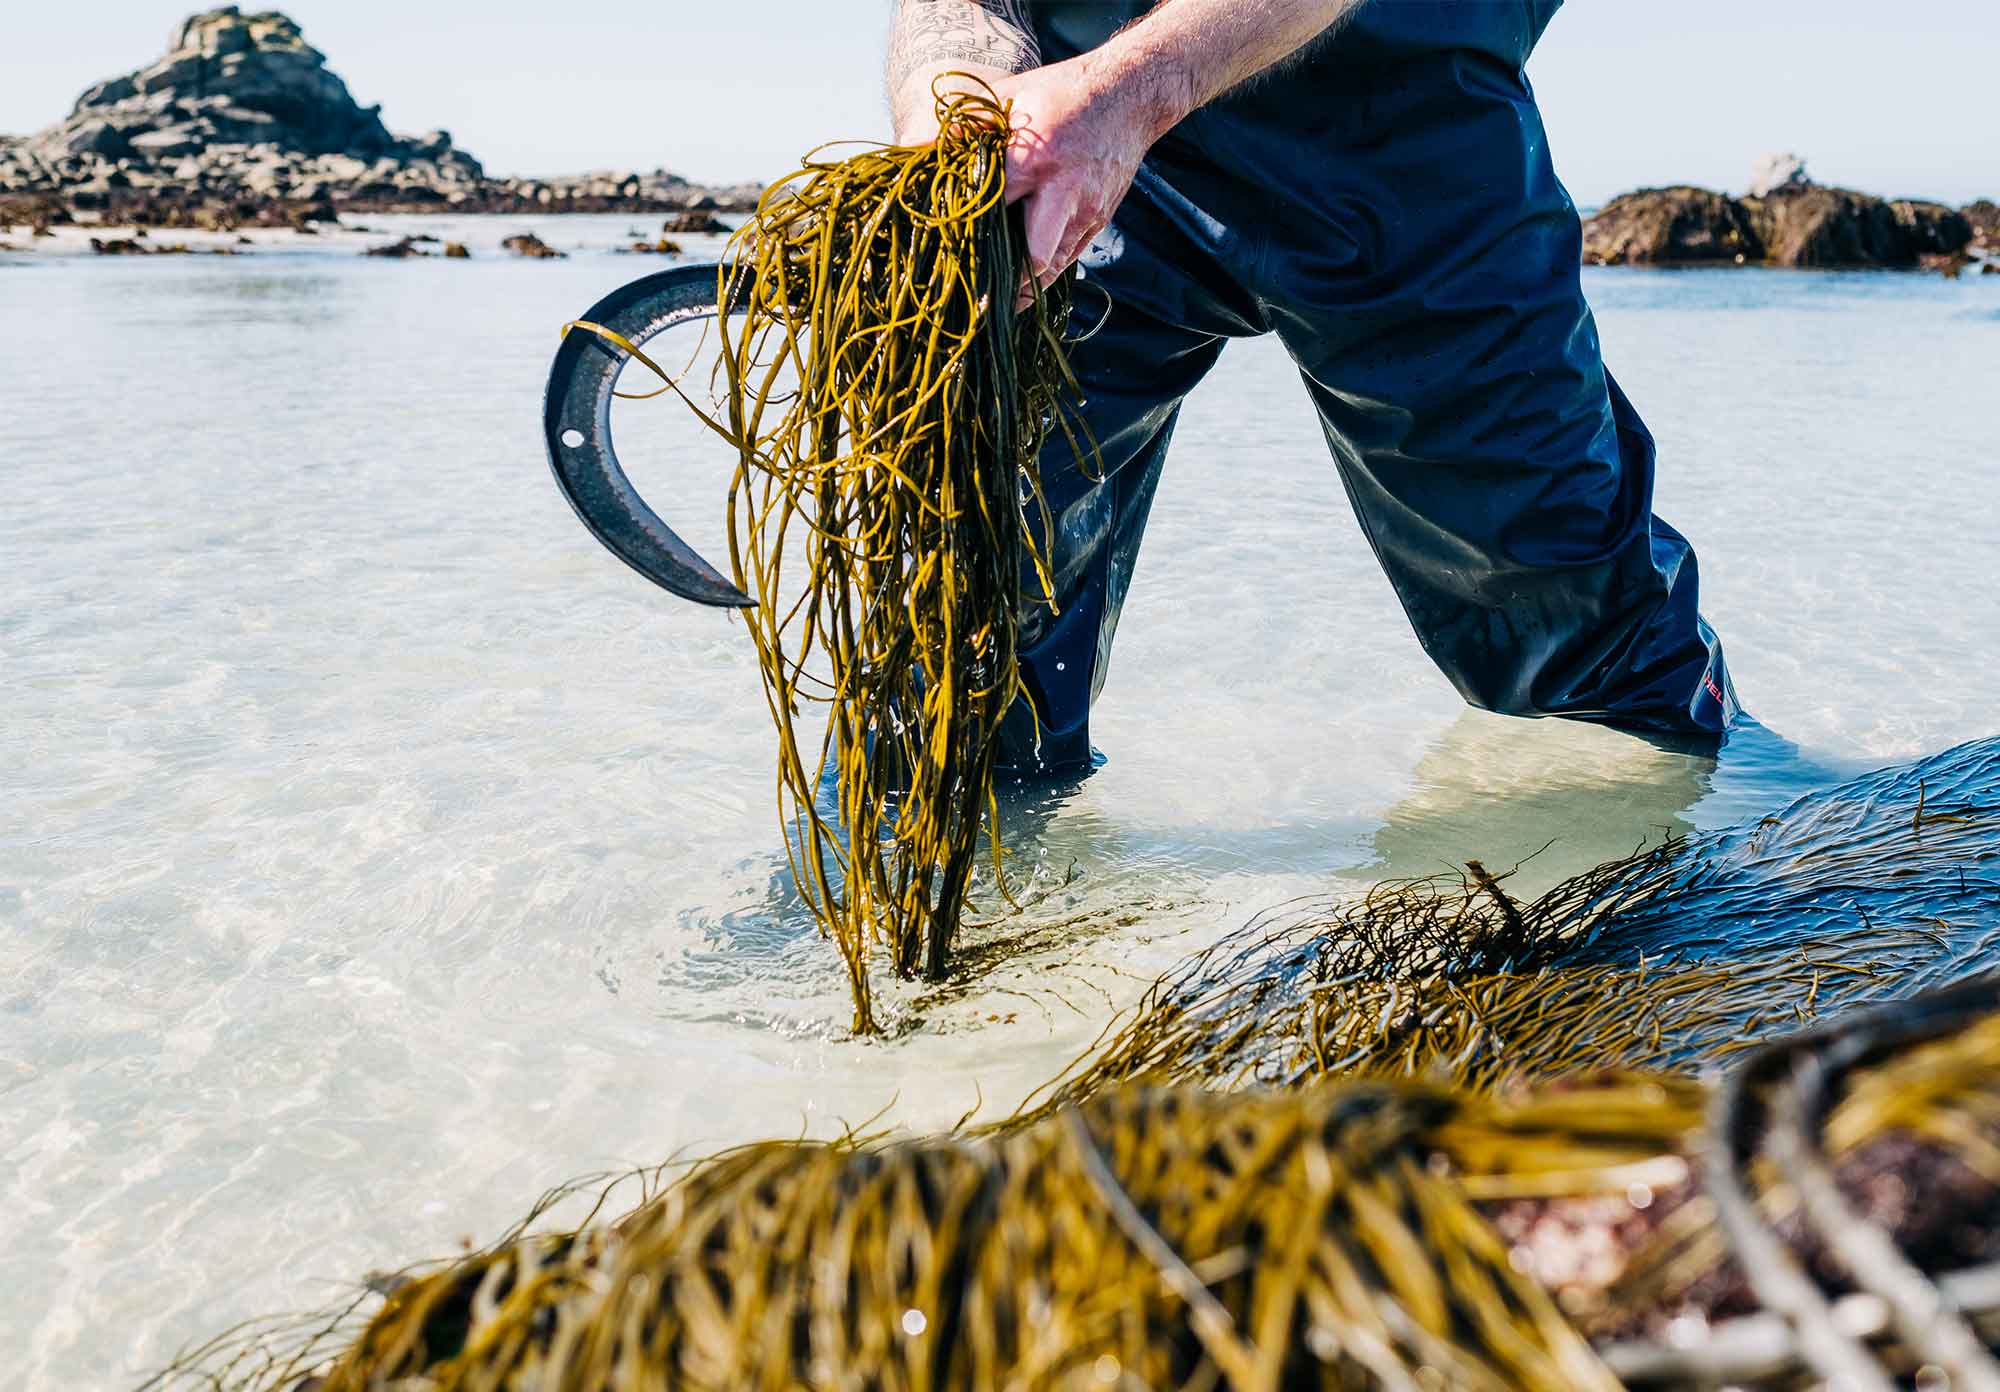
1490,1150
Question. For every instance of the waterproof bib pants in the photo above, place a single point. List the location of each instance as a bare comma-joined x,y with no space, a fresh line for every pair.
1385,204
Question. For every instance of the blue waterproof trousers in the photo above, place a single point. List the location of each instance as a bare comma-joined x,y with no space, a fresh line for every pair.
1386,204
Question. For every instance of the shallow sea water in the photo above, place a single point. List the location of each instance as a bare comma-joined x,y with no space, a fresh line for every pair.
376,851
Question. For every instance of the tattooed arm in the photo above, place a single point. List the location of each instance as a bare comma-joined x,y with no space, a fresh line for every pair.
1082,126
990,38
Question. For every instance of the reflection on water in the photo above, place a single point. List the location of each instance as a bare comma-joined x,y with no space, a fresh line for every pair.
1558,797
1553,797
376,851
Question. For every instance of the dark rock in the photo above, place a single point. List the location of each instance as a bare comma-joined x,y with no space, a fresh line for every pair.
89,136
1670,226
37,212
1794,225
455,251
665,246
1837,227
528,244
398,250
1983,218
1951,265
695,221
132,246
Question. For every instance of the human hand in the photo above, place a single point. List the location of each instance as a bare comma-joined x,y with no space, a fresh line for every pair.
1080,131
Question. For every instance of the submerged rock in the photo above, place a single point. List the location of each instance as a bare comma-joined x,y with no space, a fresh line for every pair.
1951,266
528,244
135,246
696,221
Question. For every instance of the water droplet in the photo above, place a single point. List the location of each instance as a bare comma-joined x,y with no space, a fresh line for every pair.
914,1323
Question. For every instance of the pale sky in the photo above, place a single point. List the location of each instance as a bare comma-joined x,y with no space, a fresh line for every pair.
1896,99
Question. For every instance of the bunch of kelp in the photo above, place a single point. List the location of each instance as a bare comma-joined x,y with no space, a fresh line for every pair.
1493,1150
889,402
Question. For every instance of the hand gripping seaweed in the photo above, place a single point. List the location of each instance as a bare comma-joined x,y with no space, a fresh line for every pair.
887,403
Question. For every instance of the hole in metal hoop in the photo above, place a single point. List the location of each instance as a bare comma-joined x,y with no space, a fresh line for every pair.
572,437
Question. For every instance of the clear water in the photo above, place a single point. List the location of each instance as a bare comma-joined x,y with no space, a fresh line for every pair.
375,850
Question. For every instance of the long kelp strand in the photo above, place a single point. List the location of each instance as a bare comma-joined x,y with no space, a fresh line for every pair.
888,403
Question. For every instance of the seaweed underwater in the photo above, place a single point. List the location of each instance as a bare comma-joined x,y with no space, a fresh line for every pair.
1438,1137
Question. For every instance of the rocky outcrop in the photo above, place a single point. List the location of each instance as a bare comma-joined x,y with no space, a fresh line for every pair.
1670,226
1984,219
1813,226
242,121
1795,224
239,108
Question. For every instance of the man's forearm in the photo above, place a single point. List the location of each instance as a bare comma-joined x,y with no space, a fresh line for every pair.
1183,54
988,38
1080,128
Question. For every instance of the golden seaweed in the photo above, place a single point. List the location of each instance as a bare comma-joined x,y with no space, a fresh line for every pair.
888,403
